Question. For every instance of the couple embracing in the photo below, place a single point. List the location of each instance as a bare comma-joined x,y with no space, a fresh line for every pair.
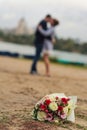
44,39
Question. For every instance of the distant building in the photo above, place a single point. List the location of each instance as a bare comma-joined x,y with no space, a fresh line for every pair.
21,29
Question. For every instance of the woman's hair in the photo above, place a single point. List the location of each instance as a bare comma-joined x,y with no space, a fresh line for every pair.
56,22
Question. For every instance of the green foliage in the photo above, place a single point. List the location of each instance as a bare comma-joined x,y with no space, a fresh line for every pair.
69,45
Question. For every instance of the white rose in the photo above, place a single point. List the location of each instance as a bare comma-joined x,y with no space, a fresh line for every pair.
56,121
41,116
53,106
65,109
70,107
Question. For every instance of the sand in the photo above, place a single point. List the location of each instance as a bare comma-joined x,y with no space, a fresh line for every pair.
19,91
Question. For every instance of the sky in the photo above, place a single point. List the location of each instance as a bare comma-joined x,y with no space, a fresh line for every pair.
72,15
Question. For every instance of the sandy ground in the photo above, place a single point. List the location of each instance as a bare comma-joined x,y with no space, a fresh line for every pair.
19,91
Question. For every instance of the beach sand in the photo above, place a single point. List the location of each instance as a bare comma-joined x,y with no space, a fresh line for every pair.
19,91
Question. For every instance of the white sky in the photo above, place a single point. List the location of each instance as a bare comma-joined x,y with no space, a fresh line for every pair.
72,15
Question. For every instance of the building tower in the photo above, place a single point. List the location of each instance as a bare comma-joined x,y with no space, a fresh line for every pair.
22,28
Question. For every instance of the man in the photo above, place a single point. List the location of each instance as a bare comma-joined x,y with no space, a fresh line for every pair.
39,40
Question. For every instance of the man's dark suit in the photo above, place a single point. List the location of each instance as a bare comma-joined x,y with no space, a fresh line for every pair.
39,40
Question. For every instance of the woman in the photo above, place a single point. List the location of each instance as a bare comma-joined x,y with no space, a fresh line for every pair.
48,43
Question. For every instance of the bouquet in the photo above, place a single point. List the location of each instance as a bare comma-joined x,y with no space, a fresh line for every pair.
55,108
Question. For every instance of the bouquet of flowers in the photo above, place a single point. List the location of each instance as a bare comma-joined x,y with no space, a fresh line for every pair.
55,108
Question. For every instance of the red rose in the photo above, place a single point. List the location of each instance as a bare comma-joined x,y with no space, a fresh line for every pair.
60,108
64,100
42,107
56,98
68,99
47,101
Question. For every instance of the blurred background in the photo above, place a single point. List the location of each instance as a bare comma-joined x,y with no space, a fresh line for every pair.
19,90
19,18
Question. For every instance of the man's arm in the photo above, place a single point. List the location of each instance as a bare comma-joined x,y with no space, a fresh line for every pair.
48,32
